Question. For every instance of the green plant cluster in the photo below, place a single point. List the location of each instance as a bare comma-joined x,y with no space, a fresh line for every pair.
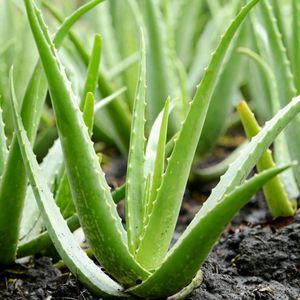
161,111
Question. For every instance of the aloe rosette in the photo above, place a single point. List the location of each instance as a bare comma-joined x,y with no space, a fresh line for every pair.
13,182
138,258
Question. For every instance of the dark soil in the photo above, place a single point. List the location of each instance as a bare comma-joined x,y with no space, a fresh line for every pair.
256,258
261,261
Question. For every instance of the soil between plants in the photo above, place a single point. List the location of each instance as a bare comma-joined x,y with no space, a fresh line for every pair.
253,260
256,258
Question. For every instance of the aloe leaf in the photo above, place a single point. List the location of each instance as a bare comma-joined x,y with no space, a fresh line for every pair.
88,111
13,181
3,145
186,19
104,19
296,42
118,131
206,43
90,191
274,191
212,173
223,97
280,20
260,92
126,35
160,78
184,260
157,71
135,179
31,223
42,241
74,257
281,152
64,196
159,230
276,54
177,74
155,157
155,138
93,70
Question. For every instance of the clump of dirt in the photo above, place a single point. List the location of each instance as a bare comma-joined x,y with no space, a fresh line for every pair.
40,280
259,262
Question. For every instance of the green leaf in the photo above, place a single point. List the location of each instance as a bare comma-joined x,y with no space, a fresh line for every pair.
224,94
157,71
296,43
13,181
36,241
155,157
186,22
74,257
109,98
126,34
42,241
93,70
51,166
116,114
281,153
274,51
185,258
3,146
91,193
274,191
88,111
159,231
135,179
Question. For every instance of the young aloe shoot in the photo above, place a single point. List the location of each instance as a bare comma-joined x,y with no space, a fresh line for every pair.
274,191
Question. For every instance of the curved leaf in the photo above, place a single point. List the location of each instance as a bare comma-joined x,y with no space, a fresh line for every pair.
74,257
90,191
159,230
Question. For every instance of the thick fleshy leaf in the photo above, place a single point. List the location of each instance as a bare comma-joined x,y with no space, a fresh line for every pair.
3,145
296,43
113,123
93,70
159,230
13,182
90,191
155,157
184,260
281,153
74,257
135,179
274,51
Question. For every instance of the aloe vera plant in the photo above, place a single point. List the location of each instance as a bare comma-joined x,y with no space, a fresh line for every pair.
13,181
138,259
176,59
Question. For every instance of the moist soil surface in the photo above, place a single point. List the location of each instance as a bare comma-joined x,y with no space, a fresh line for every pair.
256,258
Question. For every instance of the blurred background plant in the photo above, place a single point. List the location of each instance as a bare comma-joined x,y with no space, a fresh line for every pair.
138,258
180,35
